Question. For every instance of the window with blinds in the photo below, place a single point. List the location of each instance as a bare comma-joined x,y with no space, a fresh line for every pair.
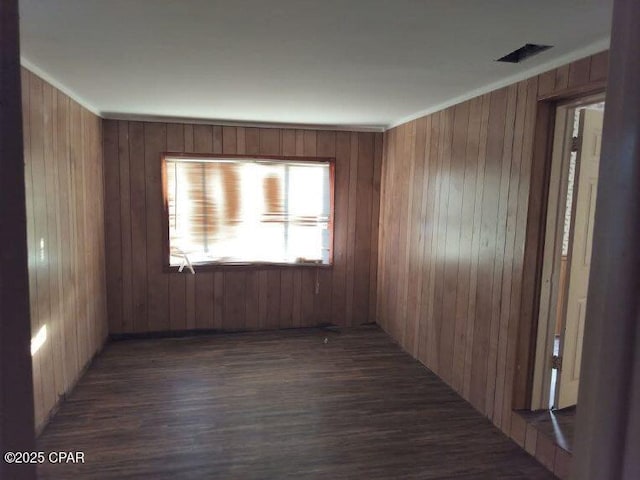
248,211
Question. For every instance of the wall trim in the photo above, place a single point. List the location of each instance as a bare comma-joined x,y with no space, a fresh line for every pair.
131,117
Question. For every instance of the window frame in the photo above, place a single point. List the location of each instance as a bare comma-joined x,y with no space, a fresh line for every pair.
221,266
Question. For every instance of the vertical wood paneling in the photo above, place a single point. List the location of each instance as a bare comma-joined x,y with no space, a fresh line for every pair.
463,283
405,256
91,194
286,298
475,246
234,301
507,273
242,299
458,203
547,82
75,141
40,244
415,249
351,224
273,299
252,303
562,78
444,168
375,216
126,322
426,336
499,263
386,227
31,237
599,66
52,214
363,229
53,232
426,237
579,72
99,260
113,235
138,226
519,248
340,231
67,251
481,356
454,226
66,237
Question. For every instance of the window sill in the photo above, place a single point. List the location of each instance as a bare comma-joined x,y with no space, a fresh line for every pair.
221,267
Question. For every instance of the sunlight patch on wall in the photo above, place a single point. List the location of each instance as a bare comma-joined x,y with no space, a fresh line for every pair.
38,340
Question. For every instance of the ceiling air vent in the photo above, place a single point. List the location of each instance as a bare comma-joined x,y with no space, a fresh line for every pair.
521,54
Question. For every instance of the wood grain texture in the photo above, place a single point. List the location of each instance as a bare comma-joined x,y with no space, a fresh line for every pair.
143,299
461,196
275,405
66,237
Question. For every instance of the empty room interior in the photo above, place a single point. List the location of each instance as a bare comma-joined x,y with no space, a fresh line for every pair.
320,239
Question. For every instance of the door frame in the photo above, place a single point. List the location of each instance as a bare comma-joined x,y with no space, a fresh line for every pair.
549,293
535,235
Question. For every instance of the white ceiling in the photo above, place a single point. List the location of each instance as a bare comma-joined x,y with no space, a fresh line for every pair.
344,63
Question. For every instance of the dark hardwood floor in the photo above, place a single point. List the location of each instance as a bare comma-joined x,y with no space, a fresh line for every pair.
274,405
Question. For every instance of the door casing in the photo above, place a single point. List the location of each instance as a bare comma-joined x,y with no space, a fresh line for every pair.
550,267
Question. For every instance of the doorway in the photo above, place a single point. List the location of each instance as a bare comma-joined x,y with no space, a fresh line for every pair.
567,252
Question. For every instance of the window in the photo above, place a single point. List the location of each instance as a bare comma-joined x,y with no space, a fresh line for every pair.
230,210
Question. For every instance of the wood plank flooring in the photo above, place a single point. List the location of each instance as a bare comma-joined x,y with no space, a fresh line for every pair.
274,405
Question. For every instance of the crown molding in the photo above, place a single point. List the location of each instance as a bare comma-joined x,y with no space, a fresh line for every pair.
234,123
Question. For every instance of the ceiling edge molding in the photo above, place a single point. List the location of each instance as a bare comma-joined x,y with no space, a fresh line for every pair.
235,123
598,46
201,121
591,49
56,84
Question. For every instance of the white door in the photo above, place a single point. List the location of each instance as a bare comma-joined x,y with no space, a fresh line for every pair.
580,256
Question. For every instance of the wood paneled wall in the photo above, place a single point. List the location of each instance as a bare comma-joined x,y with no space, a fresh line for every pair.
461,198
65,230
142,298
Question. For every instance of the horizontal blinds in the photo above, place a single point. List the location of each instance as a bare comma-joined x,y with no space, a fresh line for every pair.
248,211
